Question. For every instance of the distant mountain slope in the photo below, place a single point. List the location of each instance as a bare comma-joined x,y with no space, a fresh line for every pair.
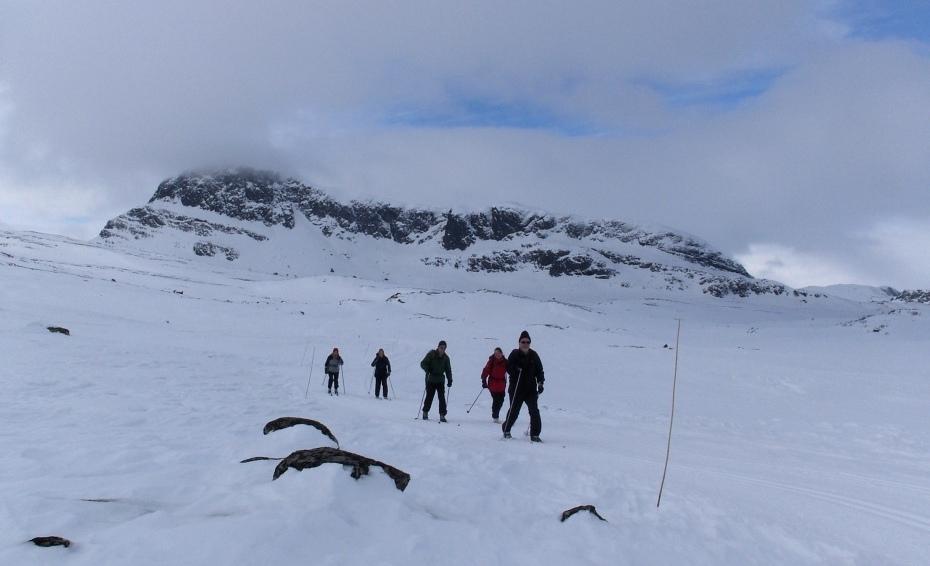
271,223
869,294
857,293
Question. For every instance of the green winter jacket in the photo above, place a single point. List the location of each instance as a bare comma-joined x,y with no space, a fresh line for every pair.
436,367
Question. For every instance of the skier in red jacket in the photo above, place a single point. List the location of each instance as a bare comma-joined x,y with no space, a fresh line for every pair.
494,379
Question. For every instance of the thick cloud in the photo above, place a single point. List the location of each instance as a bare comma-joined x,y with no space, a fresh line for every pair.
577,109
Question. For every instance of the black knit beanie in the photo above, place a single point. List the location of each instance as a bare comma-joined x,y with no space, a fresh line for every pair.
526,335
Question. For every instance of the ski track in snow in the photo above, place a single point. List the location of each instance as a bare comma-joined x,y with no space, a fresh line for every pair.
797,440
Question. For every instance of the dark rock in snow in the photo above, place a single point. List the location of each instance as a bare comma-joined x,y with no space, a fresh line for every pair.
723,286
285,422
59,330
143,222
916,296
50,541
258,459
457,234
210,249
569,512
303,459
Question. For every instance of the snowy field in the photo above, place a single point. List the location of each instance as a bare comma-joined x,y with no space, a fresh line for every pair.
801,435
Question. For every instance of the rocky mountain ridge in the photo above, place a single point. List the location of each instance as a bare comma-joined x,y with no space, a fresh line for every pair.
496,240
914,296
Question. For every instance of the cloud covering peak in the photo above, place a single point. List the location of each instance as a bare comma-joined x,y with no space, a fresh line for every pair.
749,123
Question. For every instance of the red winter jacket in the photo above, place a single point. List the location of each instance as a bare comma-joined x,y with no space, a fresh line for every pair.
494,373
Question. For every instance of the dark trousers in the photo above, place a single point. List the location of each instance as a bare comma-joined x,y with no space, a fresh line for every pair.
497,401
431,389
379,383
333,380
517,399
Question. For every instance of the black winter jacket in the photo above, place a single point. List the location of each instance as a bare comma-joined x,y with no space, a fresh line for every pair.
525,369
382,366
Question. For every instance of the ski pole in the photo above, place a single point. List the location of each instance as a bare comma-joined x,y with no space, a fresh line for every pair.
370,383
423,398
311,372
391,383
671,419
529,425
516,391
475,401
342,374
368,345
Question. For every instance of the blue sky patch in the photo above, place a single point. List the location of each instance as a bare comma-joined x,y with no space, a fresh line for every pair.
475,112
886,19
723,93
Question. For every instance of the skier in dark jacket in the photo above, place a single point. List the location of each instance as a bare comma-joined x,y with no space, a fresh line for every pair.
494,379
526,384
437,366
332,367
382,366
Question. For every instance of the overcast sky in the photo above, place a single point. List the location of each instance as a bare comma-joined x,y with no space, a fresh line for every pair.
792,135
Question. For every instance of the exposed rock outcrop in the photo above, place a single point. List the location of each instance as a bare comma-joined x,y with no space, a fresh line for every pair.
286,422
916,296
590,508
50,541
303,459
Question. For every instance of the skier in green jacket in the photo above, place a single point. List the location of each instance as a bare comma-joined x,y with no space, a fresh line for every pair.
437,367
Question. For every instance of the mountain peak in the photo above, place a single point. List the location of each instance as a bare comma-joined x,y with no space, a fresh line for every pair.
248,202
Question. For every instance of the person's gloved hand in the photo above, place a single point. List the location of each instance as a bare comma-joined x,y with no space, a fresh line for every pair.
539,389
484,384
449,382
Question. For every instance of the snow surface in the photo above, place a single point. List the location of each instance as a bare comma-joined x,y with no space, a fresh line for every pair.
801,432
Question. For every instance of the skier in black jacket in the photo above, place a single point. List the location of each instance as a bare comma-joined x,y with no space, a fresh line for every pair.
382,366
526,384
332,367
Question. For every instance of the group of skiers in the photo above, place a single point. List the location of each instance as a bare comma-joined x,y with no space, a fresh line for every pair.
523,368
333,366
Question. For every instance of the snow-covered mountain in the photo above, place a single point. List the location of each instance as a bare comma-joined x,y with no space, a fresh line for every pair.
267,223
800,429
